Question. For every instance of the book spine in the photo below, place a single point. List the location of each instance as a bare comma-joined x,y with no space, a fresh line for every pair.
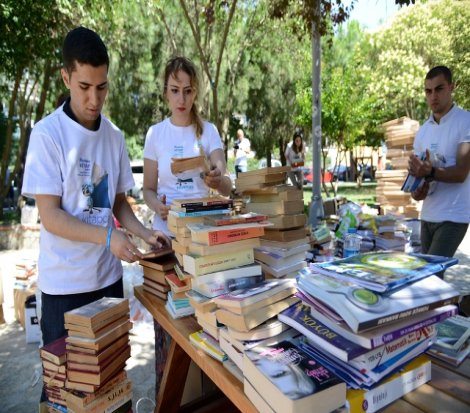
393,335
202,208
199,213
226,202
211,263
380,355
226,236
360,401
219,287
378,322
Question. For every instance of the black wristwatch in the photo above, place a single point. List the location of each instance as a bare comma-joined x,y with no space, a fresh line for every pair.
430,177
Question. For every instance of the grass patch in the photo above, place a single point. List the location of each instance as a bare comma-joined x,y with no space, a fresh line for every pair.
363,195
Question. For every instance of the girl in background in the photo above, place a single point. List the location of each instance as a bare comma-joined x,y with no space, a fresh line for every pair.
295,158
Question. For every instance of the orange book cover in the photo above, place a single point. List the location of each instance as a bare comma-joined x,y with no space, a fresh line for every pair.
210,235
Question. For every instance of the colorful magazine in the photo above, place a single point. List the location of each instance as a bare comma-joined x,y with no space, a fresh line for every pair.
363,309
384,271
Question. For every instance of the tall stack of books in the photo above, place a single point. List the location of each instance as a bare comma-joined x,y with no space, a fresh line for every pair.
155,272
53,360
97,347
221,259
284,244
399,136
370,315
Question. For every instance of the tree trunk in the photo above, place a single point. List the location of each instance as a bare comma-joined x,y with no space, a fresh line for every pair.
4,187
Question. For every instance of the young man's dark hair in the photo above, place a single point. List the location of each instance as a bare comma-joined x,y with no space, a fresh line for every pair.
84,46
440,70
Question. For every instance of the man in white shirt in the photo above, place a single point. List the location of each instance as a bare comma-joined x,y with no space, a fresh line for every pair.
242,149
78,170
445,140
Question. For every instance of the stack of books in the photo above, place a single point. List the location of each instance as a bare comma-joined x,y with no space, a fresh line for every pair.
453,340
221,259
192,211
369,315
399,136
285,241
97,347
261,178
155,272
390,233
249,315
281,377
53,360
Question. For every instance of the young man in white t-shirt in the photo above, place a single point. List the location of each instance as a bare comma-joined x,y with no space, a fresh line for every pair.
77,169
445,140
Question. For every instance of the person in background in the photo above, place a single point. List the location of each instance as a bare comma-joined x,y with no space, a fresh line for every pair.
242,149
445,136
295,158
78,171
183,134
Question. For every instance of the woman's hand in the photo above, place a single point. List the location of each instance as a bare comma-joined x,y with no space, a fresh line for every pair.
213,178
162,208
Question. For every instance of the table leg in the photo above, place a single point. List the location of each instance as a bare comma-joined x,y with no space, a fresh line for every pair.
173,380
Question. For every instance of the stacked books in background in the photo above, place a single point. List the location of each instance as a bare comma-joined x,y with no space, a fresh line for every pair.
370,315
261,178
391,233
155,272
453,340
53,360
284,244
399,136
97,347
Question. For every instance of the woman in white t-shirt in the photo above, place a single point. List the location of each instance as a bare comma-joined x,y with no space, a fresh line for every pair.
183,134
295,159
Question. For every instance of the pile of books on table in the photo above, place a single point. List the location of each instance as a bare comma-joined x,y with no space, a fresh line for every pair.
453,340
156,269
97,347
221,259
284,244
371,315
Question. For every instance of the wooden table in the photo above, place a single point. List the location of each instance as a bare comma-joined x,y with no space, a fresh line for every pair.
447,392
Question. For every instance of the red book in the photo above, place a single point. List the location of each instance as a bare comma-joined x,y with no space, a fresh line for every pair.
54,351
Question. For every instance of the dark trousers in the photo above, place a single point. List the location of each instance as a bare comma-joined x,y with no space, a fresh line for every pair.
441,238
53,308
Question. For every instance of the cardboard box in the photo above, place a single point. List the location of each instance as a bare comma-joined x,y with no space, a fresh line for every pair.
19,299
33,331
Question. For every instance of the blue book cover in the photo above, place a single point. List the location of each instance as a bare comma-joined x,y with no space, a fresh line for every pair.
384,271
299,317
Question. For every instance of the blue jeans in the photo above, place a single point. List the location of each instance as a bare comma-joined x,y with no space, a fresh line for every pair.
53,308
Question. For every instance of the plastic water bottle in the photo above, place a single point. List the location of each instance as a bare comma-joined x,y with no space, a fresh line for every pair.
352,243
